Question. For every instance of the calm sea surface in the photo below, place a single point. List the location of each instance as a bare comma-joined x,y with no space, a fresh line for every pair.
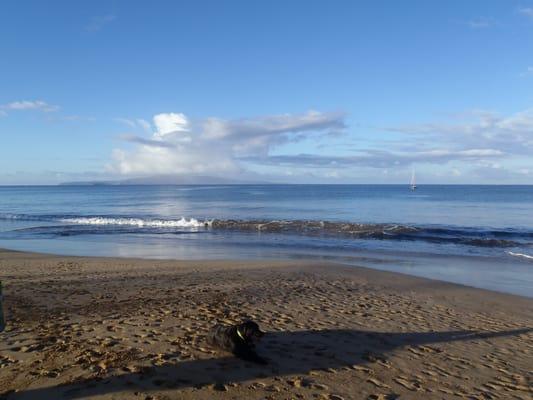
475,235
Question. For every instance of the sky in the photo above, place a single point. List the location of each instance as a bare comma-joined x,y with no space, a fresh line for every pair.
274,91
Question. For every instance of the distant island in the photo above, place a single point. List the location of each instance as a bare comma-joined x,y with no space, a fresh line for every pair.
167,180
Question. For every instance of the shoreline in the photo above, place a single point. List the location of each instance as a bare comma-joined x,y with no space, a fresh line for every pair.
425,266
134,328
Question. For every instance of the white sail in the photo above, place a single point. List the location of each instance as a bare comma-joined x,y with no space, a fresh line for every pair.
412,184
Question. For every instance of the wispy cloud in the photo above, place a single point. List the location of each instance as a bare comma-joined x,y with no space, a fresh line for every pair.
146,142
135,123
511,135
25,105
527,72
145,125
482,22
52,177
376,158
76,118
526,11
98,22
126,121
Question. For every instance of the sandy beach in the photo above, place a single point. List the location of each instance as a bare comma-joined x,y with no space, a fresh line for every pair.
103,328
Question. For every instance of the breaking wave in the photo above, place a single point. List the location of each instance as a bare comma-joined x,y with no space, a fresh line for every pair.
138,222
95,224
521,255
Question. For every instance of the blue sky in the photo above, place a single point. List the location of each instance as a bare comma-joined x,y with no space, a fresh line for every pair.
300,91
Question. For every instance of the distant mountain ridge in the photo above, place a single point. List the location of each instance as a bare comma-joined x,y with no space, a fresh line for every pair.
166,180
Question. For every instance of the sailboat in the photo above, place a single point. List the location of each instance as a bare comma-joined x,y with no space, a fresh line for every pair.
412,185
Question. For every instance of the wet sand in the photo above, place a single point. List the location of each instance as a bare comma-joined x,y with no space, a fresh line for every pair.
103,328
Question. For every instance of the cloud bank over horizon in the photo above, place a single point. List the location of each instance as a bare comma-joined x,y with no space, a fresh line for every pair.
179,145
313,146
475,143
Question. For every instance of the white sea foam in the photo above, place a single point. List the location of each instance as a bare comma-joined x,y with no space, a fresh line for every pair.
149,223
527,256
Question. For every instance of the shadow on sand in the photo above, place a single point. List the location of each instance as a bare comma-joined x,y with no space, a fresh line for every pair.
288,352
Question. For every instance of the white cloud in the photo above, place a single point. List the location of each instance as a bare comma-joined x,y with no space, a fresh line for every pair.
482,22
145,125
126,121
135,123
527,72
76,118
98,22
167,123
480,153
273,125
456,172
512,134
25,105
148,142
213,145
470,145
527,11
376,158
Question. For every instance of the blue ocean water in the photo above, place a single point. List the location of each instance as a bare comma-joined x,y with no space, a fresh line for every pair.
475,235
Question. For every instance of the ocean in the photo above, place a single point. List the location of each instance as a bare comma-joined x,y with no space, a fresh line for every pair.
475,235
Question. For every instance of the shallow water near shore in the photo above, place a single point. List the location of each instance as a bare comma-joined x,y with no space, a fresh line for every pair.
475,235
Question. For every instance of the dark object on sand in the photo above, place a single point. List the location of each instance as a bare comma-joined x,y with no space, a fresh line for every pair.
2,319
238,339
